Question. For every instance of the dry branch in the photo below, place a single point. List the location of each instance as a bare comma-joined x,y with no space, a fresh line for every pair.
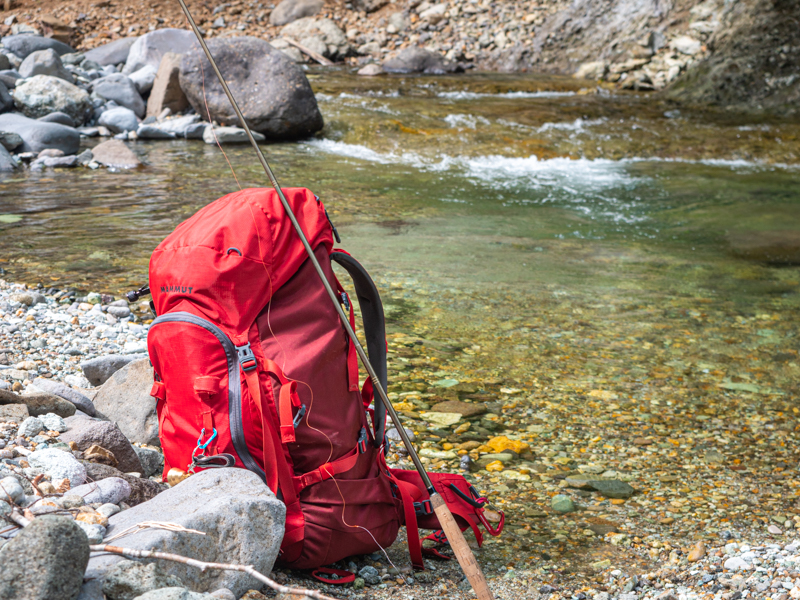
281,589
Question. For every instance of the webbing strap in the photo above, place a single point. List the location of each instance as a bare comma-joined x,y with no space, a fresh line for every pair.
327,471
270,462
287,398
408,491
352,356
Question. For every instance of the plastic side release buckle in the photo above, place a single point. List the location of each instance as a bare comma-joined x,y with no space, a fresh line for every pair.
246,357
424,508
362,440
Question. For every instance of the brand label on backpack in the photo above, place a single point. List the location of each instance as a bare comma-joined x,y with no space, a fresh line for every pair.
179,289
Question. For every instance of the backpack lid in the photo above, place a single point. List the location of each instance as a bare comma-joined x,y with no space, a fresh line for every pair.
227,260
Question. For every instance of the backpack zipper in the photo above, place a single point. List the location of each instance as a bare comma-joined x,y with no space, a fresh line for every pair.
234,383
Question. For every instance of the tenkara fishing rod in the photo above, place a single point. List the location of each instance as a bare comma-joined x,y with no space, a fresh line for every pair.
454,535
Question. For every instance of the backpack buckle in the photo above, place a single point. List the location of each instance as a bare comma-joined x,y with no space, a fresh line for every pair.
362,440
345,300
424,508
246,357
299,416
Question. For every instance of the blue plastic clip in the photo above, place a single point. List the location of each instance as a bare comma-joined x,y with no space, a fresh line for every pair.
200,444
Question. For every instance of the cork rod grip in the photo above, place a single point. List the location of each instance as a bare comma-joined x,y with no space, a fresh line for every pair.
460,548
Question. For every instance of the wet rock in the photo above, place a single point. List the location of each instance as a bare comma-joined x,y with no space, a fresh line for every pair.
242,518
112,490
611,488
167,92
322,35
229,135
46,560
371,70
152,460
113,53
292,10
125,399
563,504
54,162
9,140
188,126
122,90
44,62
465,409
58,465
142,489
418,60
151,132
58,117
119,119
43,94
128,579
143,78
23,45
114,153
56,388
98,370
283,108
7,163
151,47
88,432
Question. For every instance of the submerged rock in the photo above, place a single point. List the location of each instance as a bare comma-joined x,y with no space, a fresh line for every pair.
114,153
277,99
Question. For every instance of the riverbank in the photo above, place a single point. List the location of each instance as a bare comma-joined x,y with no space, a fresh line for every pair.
647,45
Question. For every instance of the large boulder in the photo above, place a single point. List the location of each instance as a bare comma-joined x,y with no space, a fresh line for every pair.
115,154
151,47
40,403
126,400
167,92
46,560
113,53
98,370
24,44
129,580
274,94
144,78
122,90
61,390
291,10
39,135
321,35
142,489
419,60
242,520
44,62
42,94
58,117
88,432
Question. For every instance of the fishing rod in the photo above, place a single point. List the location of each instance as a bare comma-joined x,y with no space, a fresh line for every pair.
458,543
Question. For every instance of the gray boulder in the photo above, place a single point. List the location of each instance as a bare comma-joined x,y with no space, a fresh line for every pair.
176,593
119,119
4,62
44,62
58,117
142,489
87,432
113,53
39,403
122,90
42,94
128,580
112,490
46,560
151,47
125,399
7,163
115,154
80,401
241,517
6,100
167,92
59,465
152,460
143,78
185,127
9,140
98,370
38,135
229,135
419,60
291,10
276,97
321,35
152,132
24,44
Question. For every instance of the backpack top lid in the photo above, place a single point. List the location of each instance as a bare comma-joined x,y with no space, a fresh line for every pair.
225,262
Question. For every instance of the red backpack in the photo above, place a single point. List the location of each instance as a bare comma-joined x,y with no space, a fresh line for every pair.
253,369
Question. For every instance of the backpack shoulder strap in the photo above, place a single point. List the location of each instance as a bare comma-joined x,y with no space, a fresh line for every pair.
374,328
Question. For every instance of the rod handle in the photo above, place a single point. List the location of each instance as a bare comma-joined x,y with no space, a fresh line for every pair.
461,549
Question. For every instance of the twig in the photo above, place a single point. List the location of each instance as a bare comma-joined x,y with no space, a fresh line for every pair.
281,589
308,51
18,518
153,525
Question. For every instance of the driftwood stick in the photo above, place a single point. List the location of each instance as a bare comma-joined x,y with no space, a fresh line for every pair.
308,51
18,518
281,589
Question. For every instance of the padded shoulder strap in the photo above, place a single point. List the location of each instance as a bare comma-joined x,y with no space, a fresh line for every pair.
374,328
